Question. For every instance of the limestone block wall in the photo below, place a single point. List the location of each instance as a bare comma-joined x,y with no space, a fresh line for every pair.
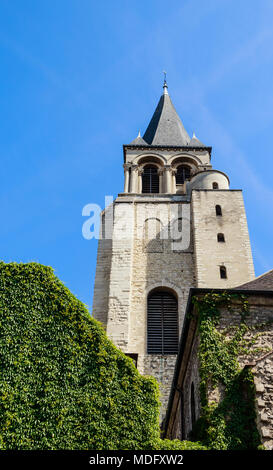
132,264
182,424
235,253
261,319
113,276
191,385
157,265
103,269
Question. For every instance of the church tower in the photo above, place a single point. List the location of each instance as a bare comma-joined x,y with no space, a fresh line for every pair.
176,225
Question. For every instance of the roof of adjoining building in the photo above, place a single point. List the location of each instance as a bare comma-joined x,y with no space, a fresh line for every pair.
263,282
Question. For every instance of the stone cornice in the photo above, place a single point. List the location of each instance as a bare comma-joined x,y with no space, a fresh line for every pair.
165,147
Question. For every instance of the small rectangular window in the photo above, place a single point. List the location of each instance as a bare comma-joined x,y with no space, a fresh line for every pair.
218,210
221,237
223,272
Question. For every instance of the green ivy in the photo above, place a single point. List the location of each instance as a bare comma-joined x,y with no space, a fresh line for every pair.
175,444
231,423
63,384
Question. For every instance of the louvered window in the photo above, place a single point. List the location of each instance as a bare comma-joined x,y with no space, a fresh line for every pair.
162,324
183,173
150,179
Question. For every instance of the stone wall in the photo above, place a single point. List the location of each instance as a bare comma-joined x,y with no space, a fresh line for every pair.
131,264
235,253
182,421
259,358
162,368
191,378
156,264
260,318
134,264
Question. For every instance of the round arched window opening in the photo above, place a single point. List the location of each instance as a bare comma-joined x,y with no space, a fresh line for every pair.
220,237
183,173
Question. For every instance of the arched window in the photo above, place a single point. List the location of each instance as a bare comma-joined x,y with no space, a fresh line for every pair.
150,179
162,323
218,210
193,415
223,272
153,236
175,229
183,173
220,237
215,185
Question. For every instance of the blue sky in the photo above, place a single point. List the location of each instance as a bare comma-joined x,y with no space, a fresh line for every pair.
79,78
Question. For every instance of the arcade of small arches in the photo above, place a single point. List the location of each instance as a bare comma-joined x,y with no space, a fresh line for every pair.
151,175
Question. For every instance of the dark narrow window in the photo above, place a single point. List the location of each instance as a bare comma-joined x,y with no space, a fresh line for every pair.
133,356
193,415
223,272
218,210
150,179
162,323
220,237
183,173
215,186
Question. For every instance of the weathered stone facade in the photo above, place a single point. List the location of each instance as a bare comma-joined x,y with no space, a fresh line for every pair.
235,253
259,359
141,252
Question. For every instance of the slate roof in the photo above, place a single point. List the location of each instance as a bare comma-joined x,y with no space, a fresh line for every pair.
263,282
165,127
195,142
138,141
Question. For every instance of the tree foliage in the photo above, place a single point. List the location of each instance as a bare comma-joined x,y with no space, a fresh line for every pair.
63,384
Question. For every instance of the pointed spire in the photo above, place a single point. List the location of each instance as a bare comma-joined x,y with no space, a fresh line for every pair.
138,140
165,127
195,142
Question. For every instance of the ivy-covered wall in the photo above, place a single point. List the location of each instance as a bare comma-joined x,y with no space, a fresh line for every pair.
63,384
235,334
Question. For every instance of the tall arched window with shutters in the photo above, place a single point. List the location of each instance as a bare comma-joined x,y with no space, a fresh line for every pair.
162,323
150,179
183,173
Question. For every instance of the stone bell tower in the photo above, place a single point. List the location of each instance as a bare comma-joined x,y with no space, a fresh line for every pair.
177,225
